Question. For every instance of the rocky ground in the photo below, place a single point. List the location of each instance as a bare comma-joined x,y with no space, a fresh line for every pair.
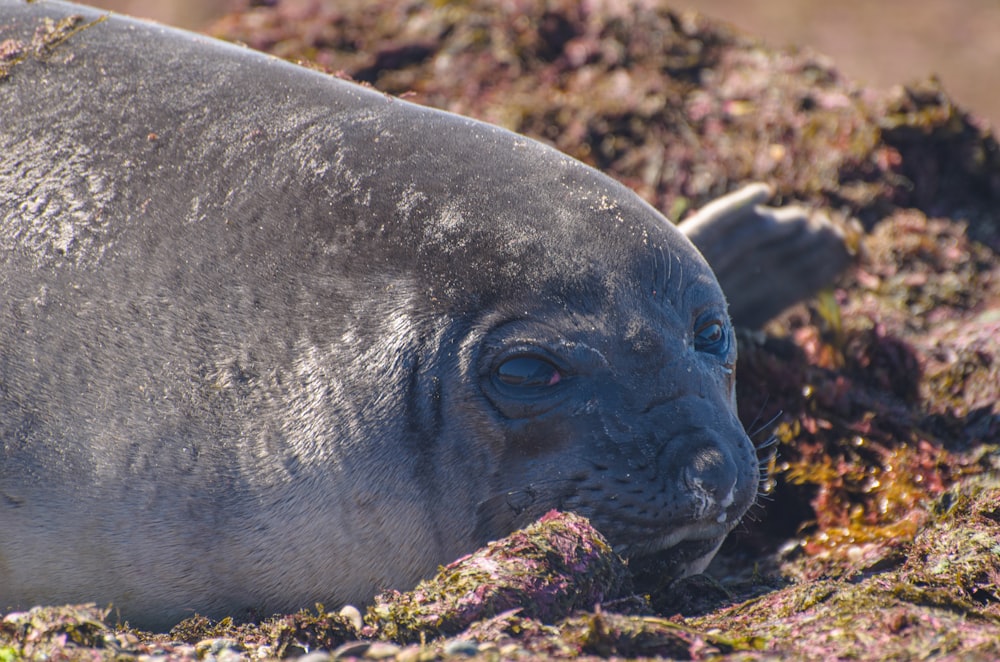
880,538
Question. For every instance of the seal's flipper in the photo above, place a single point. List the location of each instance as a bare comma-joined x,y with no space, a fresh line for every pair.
766,258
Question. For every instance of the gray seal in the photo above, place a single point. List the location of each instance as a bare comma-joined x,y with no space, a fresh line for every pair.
269,338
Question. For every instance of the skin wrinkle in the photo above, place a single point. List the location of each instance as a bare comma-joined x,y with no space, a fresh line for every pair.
427,418
659,286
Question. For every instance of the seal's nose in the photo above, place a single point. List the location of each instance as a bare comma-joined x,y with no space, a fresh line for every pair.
711,473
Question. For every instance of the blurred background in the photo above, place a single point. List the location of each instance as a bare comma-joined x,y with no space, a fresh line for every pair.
876,42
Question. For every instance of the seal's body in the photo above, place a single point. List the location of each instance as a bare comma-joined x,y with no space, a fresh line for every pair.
268,338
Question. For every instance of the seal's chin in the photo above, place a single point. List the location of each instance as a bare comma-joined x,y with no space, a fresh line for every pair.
683,552
694,535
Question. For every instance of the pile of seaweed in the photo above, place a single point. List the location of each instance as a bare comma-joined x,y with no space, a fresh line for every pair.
879,539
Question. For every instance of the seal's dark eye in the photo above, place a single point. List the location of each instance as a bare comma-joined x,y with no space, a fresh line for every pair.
712,337
527,372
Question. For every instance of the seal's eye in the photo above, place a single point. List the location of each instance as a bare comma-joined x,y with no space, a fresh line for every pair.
712,337
527,372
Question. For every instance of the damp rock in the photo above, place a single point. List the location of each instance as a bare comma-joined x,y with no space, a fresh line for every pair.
547,570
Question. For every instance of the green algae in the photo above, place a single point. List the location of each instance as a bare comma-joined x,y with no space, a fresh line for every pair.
45,632
48,35
920,608
546,571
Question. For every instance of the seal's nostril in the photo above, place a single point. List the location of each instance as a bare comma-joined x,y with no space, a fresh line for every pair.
711,471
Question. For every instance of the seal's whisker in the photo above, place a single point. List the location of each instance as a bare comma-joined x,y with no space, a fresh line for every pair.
764,426
759,413
767,452
770,442
765,496
765,459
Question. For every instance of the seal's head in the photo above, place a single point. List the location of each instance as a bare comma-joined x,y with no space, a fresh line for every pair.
622,410
597,360
615,400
